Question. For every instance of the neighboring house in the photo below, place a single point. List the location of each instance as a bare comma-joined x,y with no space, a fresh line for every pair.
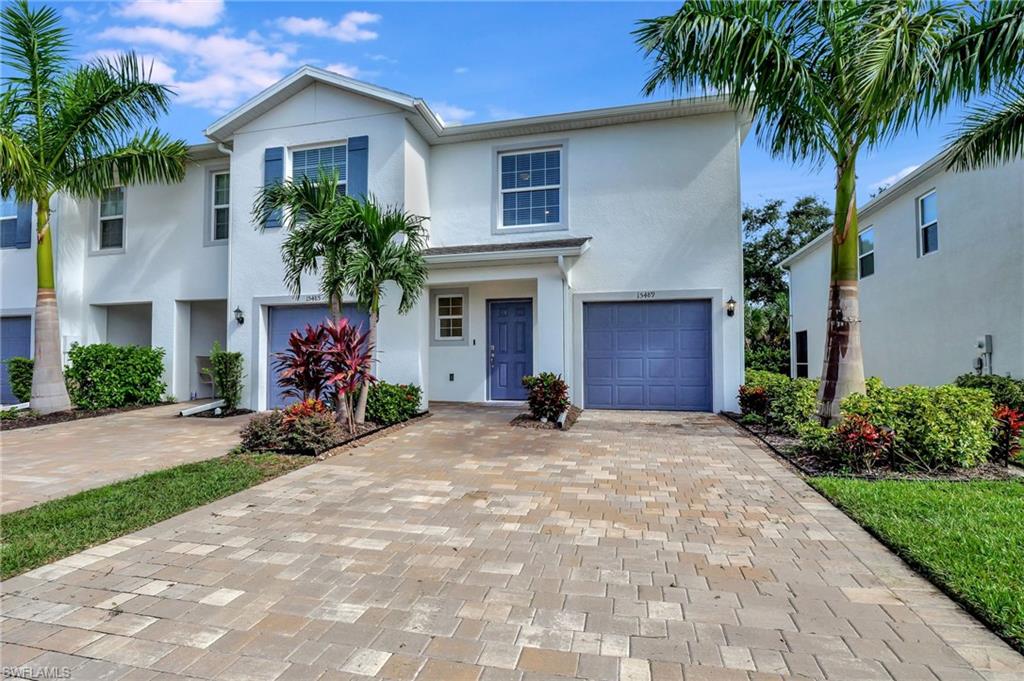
941,268
601,245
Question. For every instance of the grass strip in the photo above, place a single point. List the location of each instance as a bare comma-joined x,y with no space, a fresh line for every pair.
968,537
54,529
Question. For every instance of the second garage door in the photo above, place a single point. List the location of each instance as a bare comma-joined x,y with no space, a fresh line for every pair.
647,355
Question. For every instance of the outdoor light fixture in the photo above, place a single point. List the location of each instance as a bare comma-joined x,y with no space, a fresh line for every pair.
240,316
730,306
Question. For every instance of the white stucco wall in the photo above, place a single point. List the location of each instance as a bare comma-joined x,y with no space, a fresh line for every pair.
922,315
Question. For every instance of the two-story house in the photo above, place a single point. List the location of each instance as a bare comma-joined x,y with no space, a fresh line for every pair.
941,260
602,245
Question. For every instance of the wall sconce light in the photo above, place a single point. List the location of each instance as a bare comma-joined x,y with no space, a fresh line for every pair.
239,316
730,306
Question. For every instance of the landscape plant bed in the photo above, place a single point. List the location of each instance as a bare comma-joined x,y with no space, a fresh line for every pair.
366,433
526,420
54,529
815,464
31,419
966,538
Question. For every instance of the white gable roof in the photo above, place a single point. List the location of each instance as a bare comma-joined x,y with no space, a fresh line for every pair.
436,131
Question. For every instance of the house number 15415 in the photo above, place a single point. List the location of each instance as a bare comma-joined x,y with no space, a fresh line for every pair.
644,295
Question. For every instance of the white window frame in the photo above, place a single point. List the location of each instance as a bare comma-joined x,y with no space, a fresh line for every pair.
561,146
214,206
922,226
100,219
318,145
438,316
861,255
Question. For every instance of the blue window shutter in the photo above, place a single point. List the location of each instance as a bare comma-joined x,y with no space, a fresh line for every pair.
273,173
23,238
358,166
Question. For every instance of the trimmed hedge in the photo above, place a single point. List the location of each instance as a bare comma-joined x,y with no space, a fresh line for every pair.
390,403
791,401
19,374
1006,391
104,376
933,428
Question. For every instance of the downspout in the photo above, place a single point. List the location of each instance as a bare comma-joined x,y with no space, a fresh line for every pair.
566,288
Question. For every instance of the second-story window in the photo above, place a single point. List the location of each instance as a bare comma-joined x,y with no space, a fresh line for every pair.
8,221
111,227
220,219
866,252
928,222
530,188
308,162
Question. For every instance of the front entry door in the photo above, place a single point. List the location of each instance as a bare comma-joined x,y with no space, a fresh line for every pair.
509,347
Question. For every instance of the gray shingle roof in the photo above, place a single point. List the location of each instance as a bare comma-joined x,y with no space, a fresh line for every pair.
507,246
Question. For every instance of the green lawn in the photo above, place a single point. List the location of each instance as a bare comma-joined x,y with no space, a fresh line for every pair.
55,529
969,537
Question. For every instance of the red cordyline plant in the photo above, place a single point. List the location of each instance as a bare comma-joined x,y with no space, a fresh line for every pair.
753,400
1009,427
300,367
860,443
347,360
305,408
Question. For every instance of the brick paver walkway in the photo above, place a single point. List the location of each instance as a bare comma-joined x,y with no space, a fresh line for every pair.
635,547
49,462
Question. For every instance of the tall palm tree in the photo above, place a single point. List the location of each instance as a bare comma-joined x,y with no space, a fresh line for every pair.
987,58
74,130
352,245
823,80
387,245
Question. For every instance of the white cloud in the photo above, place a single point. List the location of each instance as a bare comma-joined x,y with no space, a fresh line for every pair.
185,13
500,113
215,72
344,69
451,113
77,16
350,29
896,177
459,70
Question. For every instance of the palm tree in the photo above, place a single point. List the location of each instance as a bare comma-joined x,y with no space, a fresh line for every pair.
823,80
387,245
987,58
73,130
352,245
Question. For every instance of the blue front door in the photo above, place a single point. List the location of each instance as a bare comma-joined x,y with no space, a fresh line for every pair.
287,318
509,347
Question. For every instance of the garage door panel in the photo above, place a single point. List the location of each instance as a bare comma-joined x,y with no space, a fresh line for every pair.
15,341
647,355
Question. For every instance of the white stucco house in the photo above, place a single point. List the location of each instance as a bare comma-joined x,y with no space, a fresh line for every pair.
941,279
602,245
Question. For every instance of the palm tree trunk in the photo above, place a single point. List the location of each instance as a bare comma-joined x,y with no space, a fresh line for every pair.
49,393
364,392
843,369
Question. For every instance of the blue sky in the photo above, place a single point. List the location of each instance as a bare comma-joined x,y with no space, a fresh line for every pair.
471,61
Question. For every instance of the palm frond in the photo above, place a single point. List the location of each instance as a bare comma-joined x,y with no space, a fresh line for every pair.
990,134
149,157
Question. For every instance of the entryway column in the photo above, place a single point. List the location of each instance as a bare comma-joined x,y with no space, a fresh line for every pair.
549,355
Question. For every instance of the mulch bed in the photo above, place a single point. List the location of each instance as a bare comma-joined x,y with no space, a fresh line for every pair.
224,413
30,419
527,421
814,465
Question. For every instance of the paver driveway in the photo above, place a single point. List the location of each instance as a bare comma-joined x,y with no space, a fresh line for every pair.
636,546
49,462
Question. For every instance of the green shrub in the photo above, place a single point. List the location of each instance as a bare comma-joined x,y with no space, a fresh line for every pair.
1006,391
226,373
390,403
308,433
19,374
768,358
547,395
815,438
102,376
791,402
933,428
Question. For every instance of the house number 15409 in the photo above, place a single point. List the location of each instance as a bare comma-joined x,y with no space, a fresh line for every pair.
644,295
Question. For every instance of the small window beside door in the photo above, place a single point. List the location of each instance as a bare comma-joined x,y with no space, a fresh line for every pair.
801,354
866,252
450,317
220,199
110,235
928,223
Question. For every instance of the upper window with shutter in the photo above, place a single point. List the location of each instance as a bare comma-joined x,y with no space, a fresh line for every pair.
9,222
308,162
530,188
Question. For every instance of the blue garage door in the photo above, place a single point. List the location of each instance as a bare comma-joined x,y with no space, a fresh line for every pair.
647,355
15,341
287,318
